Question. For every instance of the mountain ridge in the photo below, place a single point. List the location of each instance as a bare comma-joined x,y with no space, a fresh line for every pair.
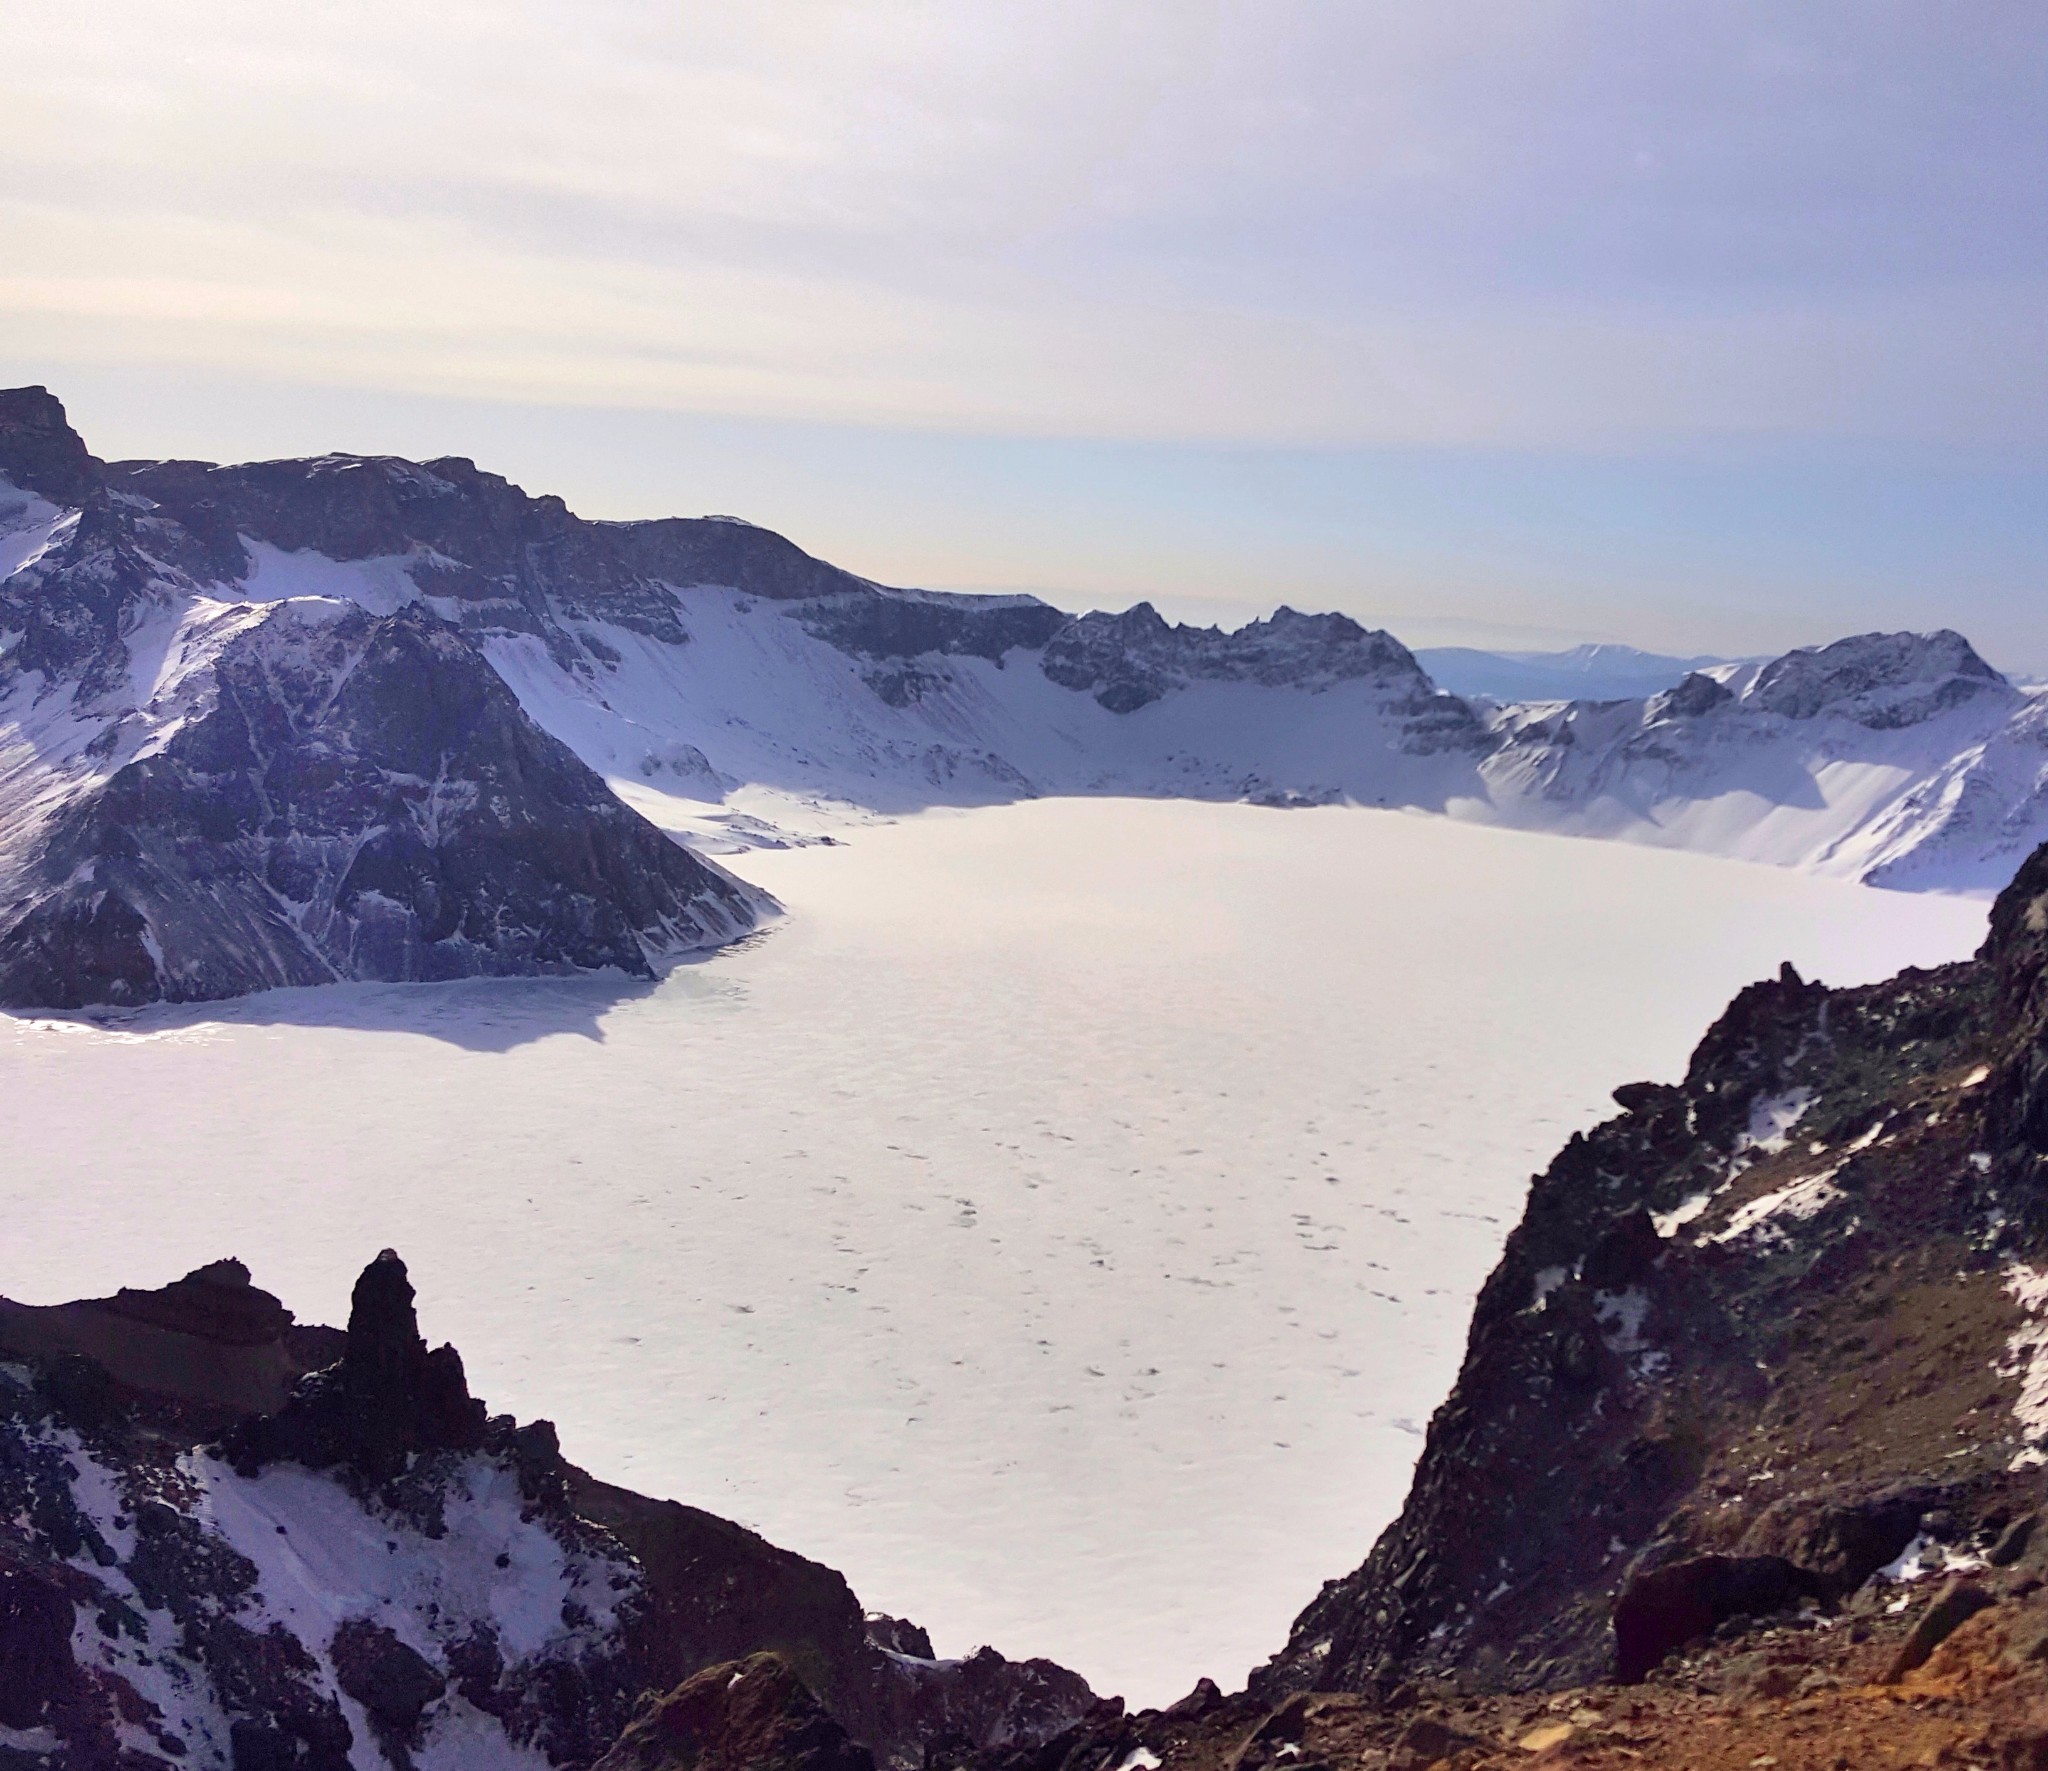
726,686
206,797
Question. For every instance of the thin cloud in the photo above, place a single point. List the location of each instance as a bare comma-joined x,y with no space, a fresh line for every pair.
1576,225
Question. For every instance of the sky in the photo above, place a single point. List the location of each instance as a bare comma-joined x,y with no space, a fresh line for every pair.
1703,326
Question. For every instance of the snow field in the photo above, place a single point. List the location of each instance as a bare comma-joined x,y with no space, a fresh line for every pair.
1063,1223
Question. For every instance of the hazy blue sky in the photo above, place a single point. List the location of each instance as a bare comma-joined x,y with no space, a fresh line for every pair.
1717,325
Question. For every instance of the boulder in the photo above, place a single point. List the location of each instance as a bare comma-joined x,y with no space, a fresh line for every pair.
1956,1603
392,1682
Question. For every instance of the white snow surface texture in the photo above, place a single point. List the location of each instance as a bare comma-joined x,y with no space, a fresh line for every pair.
1063,1223
1066,1220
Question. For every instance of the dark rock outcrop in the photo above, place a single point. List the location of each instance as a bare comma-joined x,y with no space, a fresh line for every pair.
492,557
1695,696
1880,680
383,1403
896,624
750,1715
36,1669
1670,1606
40,452
1129,660
718,1592
213,1341
392,1682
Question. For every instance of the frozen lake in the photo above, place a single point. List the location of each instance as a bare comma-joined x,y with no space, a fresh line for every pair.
1064,1223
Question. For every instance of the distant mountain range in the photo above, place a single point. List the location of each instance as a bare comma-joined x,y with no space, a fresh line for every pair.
355,717
1585,673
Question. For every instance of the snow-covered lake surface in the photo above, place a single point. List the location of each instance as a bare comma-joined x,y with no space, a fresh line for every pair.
1064,1223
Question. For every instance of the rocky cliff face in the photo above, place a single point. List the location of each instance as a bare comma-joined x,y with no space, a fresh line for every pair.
206,797
229,1541
346,797
1129,660
1783,1312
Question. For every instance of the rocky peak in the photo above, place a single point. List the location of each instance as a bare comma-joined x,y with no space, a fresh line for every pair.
385,1400
1880,680
1131,659
380,776
40,452
398,1397
1697,694
1141,623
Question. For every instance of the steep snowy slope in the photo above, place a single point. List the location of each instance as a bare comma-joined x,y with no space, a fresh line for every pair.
1899,759
1936,776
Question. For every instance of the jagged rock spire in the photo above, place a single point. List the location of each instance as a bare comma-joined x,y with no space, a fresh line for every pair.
387,1399
397,1397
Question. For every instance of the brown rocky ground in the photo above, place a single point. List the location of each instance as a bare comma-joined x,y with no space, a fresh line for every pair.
1800,1693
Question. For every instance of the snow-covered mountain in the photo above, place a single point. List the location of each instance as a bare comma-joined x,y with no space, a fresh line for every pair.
203,793
1899,759
248,735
